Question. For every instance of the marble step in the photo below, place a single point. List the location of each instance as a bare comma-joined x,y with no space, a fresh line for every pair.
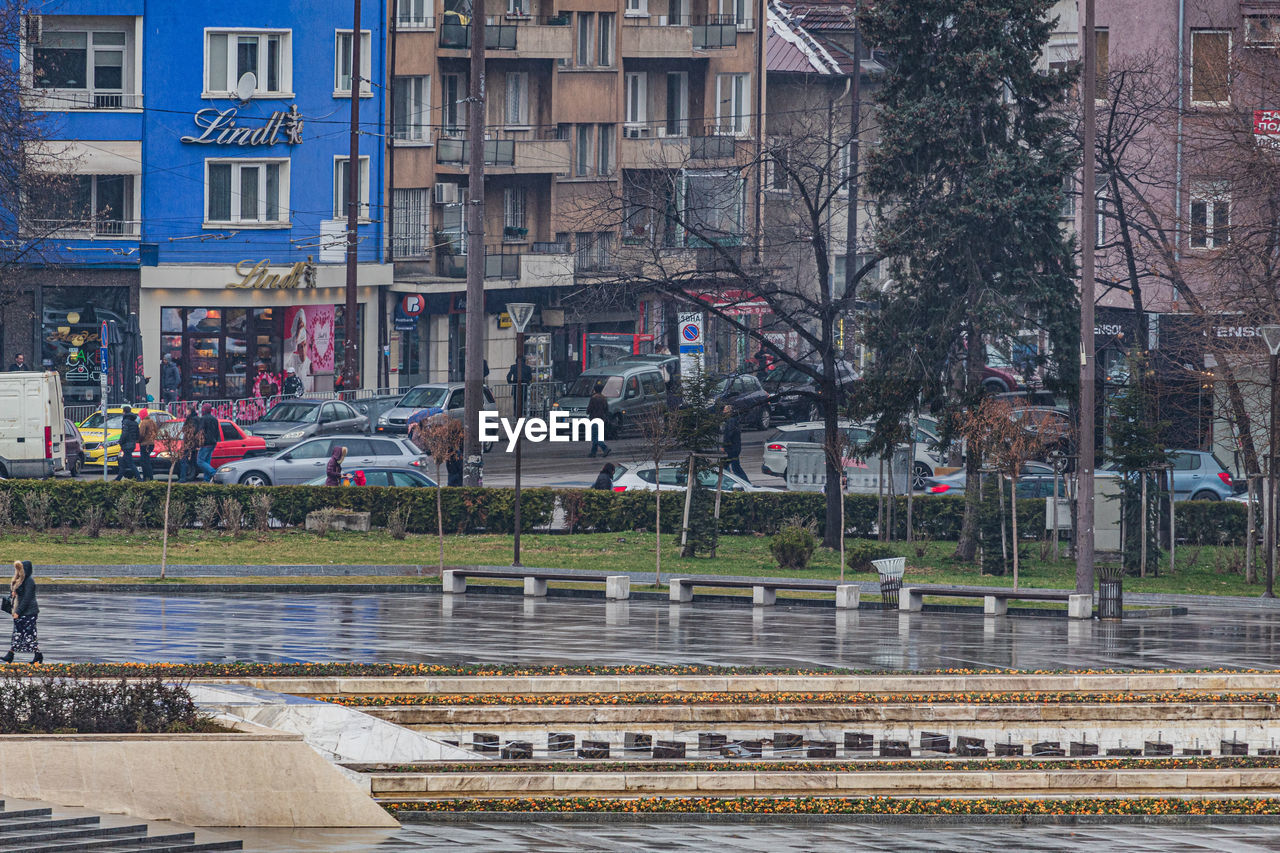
47,834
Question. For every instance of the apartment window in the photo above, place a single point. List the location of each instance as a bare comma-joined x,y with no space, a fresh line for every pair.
517,97
677,103
1102,64
733,104
594,250
582,166
410,223
637,98
606,38
342,63
340,186
1068,208
101,205
1210,54
412,107
1210,215
586,22
604,159
247,191
713,204
1261,30
738,10
88,66
637,8
514,228
453,94
452,226
414,14
231,55
1100,222
777,178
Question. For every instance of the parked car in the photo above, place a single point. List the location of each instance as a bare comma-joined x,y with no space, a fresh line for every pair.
793,392
630,389
373,408
1197,476
291,420
1036,482
1051,425
95,444
997,381
671,477
747,396
307,459
774,459
234,446
396,477
73,446
668,364
423,401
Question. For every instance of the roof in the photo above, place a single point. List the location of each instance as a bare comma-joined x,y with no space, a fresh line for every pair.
798,39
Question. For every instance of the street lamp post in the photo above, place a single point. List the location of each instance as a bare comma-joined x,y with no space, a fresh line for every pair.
1271,335
520,313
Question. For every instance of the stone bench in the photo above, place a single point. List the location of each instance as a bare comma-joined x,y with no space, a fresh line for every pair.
616,587
764,593
995,601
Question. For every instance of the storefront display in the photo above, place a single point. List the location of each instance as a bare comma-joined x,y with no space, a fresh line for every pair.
70,334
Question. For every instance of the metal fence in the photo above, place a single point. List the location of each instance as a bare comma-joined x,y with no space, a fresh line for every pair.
244,410
538,397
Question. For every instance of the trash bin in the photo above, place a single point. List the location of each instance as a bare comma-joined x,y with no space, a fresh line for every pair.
1110,594
891,570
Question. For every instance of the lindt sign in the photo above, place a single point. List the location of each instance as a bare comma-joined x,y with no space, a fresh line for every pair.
219,127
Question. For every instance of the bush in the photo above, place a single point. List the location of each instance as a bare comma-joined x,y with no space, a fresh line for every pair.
207,512
130,510
93,518
47,706
792,547
231,511
6,510
262,512
858,554
37,506
177,515
396,520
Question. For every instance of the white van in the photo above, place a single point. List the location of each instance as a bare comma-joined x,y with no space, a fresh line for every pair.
31,439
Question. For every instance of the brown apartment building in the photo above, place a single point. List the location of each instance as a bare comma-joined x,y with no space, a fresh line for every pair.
580,95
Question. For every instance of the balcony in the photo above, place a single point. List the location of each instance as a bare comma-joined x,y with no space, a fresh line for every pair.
716,147
653,152
496,266
80,229
516,37
507,156
407,22
664,37
80,99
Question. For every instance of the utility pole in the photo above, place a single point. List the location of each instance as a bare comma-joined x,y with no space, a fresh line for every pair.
350,328
473,376
1088,243
855,120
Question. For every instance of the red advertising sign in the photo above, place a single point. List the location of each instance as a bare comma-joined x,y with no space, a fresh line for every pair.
1266,127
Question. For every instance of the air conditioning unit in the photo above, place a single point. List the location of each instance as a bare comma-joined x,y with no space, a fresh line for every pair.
635,131
33,28
662,132
446,193
662,20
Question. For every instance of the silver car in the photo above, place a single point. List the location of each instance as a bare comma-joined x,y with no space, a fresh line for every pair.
427,400
307,460
291,420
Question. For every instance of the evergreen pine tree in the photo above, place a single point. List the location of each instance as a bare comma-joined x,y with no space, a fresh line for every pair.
974,153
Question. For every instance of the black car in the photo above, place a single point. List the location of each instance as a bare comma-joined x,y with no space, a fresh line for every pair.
750,401
793,393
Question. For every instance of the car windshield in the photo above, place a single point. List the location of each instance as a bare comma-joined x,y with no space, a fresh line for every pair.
94,421
425,398
722,386
291,413
584,386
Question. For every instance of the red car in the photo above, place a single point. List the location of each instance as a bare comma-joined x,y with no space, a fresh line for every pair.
236,444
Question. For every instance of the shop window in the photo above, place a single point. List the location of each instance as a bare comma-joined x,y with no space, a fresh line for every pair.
245,192
70,332
231,54
341,186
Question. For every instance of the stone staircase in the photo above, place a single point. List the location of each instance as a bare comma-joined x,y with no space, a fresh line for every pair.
36,830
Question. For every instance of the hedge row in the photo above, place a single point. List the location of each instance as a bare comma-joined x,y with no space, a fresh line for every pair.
470,510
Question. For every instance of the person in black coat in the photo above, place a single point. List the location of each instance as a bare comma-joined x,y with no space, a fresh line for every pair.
292,385
731,443
125,469
19,363
22,601
604,480
210,435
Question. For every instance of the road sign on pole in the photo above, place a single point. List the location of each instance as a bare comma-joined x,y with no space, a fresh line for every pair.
691,343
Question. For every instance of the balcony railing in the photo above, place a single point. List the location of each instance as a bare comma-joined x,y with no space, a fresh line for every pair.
76,99
415,22
496,266
496,36
86,229
454,151
712,147
709,31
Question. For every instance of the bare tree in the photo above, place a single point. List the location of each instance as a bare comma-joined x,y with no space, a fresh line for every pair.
660,434
442,438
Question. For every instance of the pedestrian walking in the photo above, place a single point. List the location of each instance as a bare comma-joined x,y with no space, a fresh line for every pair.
453,465
333,470
148,432
519,377
19,363
604,480
210,435
598,407
731,443
125,469
191,441
21,602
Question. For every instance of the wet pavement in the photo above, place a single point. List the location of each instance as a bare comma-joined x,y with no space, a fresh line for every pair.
429,627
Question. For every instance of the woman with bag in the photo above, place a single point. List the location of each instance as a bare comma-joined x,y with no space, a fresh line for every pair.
21,602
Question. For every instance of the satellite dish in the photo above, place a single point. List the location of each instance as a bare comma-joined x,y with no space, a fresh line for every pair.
246,86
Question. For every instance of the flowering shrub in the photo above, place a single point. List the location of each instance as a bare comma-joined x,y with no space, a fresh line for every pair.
49,705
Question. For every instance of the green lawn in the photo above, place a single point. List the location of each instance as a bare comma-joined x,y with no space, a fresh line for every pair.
1210,570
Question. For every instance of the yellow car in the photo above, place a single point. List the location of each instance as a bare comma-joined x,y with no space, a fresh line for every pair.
91,430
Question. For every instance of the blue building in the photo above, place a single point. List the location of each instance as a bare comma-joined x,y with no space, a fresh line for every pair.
209,142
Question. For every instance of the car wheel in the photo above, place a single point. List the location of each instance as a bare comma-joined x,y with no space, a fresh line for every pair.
487,447
613,427
919,472
1206,496
766,418
255,478
994,386
74,467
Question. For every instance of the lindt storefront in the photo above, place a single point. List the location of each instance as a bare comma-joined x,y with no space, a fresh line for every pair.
234,331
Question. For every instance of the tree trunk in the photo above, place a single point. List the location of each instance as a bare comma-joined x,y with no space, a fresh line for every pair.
657,531
831,427
164,539
1013,511
967,547
440,518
